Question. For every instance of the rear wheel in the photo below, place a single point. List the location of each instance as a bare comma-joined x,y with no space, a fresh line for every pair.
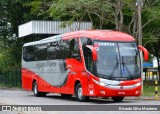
79,94
117,99
36,92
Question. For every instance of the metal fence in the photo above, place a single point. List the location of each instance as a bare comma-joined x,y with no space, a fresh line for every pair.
151,76
10,78
151,73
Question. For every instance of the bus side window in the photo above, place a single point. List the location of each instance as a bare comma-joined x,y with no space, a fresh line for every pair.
41,52
74,50
87,54
58,50
65,49
29,53
51,53
24,54
88,59
86,41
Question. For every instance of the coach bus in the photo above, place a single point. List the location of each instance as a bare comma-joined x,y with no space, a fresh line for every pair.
86,63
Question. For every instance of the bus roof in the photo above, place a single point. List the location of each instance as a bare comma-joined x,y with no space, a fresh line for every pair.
107,35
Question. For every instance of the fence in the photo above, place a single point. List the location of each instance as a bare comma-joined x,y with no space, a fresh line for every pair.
151,74
11,78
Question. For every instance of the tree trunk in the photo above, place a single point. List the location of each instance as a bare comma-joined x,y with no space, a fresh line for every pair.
119,15
135,21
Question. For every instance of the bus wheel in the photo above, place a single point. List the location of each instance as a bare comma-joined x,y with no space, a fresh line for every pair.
117,99
79,94
66,95
36,92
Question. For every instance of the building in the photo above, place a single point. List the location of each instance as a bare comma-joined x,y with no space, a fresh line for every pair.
155,62
43,29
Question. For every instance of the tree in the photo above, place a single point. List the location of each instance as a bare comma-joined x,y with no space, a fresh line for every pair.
104,14
12,14
151,28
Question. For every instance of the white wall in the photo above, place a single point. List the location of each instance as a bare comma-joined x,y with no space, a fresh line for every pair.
155,63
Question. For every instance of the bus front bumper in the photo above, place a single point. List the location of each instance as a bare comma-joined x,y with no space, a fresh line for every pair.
110,91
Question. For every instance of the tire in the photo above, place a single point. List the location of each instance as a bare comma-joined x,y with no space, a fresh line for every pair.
117,99
36,92
79,95
66,95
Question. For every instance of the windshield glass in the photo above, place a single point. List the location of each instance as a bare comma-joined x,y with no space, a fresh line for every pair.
117,60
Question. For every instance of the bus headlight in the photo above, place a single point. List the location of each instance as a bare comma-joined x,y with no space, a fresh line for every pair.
137,84
99,83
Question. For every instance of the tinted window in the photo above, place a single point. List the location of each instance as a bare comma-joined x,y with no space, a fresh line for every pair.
87,54
41,51
29,53
61,49
74,51
86,41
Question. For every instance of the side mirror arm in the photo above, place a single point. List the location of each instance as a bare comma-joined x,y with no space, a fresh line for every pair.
145,51
94,52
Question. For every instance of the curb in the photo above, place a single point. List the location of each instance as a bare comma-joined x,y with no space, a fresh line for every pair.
143,98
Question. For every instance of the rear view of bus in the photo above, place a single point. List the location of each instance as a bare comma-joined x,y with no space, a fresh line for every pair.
95,63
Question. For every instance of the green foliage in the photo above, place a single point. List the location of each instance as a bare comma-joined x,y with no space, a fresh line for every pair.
82,10
104,14
151,28
11,15
6,62
35,6
38,8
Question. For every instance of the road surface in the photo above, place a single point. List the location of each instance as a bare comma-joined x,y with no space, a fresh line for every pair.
21,97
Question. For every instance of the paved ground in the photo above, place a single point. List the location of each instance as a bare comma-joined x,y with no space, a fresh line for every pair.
21,97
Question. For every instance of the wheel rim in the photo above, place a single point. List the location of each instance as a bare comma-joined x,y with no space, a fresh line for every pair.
80,95
35,89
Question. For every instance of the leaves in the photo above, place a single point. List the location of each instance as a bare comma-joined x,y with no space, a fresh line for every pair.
104,14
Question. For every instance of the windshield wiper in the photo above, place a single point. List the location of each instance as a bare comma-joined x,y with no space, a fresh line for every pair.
117,63
104,76
124,65
114,69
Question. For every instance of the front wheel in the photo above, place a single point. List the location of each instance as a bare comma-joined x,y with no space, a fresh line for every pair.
79,94
36,92
117,99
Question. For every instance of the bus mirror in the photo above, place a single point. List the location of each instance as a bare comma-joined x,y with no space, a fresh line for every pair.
94,52
145,52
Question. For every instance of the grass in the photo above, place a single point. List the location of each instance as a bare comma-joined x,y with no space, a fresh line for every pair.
1,85
149,90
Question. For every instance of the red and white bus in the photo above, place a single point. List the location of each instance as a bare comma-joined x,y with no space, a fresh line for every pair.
87,63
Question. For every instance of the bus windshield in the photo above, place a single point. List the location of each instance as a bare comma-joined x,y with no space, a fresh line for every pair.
120,61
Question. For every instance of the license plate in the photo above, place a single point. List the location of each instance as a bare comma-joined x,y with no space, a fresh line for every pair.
121,93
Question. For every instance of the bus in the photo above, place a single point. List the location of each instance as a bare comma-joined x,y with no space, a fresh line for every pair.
85,63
